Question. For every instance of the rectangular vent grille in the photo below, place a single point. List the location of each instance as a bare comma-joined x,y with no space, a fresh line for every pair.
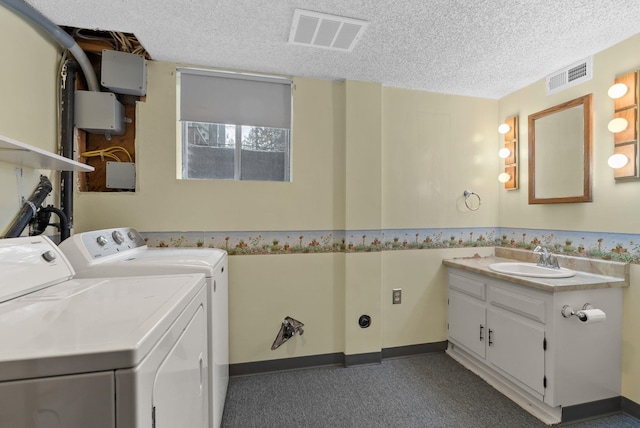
577,72
325,31
572,75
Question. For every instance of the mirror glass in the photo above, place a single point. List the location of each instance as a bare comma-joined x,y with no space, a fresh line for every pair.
560,153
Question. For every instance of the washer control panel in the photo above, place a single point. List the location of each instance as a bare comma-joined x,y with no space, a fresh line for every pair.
102,243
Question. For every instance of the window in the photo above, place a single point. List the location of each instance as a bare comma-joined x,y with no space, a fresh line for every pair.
234,126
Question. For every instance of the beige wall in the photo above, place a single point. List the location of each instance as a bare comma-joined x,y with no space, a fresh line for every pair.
265,289
314,200
422,316
435,147
615,205
28,107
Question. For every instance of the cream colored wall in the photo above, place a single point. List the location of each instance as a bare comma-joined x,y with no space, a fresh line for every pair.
615,205
363,210
265,289
435,147
28,107
363,155
314,200
422,315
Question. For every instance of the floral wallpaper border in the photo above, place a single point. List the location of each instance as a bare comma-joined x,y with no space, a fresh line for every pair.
608,246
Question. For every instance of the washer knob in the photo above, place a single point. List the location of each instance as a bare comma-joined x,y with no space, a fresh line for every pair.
117,237
49,256
101,240
131,235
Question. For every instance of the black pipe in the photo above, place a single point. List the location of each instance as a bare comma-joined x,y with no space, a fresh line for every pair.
29,209
67,107
42,221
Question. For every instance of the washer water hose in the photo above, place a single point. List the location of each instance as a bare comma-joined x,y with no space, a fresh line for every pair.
29,208
41,222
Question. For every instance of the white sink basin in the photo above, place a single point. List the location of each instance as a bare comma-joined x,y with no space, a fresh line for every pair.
531,270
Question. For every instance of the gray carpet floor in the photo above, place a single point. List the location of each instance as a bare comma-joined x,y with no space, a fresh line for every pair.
422,391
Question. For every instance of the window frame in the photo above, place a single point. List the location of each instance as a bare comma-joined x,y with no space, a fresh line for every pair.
183,127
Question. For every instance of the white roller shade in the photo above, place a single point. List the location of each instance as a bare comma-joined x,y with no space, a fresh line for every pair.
233,98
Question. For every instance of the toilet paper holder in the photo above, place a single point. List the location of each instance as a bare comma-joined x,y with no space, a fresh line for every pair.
568,311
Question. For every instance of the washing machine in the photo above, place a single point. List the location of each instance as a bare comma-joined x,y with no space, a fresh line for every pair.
101,352
123,252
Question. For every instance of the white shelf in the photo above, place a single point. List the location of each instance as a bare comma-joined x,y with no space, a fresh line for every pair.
18,153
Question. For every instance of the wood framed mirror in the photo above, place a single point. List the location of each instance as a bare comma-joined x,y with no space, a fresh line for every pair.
560,141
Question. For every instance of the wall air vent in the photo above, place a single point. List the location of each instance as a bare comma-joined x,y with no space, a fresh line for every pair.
572,75
325,31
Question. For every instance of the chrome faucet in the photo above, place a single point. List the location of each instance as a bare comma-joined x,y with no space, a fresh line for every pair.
547,259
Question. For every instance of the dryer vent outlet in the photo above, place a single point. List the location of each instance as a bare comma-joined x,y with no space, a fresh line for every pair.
364,321
288,329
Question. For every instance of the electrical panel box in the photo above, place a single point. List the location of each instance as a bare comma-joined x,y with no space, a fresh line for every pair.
99,113
124,73
121,175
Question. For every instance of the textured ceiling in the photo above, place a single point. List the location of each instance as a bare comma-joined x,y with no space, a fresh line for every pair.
482,48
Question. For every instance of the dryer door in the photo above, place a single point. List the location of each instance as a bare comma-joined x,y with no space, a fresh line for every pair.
180,388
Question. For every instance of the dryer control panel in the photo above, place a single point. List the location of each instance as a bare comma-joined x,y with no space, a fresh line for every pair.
99,244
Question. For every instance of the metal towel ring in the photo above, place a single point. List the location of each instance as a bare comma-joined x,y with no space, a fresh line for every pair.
467,195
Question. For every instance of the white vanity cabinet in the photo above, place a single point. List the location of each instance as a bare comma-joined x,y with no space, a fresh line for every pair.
515,337
502,327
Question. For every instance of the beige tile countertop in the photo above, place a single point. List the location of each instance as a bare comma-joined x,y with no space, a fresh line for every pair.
590,273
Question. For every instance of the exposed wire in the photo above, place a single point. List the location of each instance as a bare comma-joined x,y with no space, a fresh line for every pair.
108,153
118,41
77,33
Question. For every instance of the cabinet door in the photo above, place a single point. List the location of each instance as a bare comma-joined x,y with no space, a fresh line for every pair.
515,345
467,322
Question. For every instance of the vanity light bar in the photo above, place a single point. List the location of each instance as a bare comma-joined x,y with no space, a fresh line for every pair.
624,127
509,130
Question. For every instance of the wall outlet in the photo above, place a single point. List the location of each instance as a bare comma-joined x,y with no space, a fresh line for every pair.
397,296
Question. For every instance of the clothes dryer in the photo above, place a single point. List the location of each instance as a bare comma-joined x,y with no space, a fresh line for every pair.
123,252
101,352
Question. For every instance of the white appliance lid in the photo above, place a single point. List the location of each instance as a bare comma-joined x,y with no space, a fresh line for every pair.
30,263
165,259
98,253
90,325
154,262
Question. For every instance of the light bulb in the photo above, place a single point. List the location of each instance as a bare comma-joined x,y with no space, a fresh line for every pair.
504,153
618,90
504,177
617,161
504,128
618,124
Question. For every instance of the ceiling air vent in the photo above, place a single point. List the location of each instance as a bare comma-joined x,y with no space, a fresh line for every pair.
325,31
572,75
